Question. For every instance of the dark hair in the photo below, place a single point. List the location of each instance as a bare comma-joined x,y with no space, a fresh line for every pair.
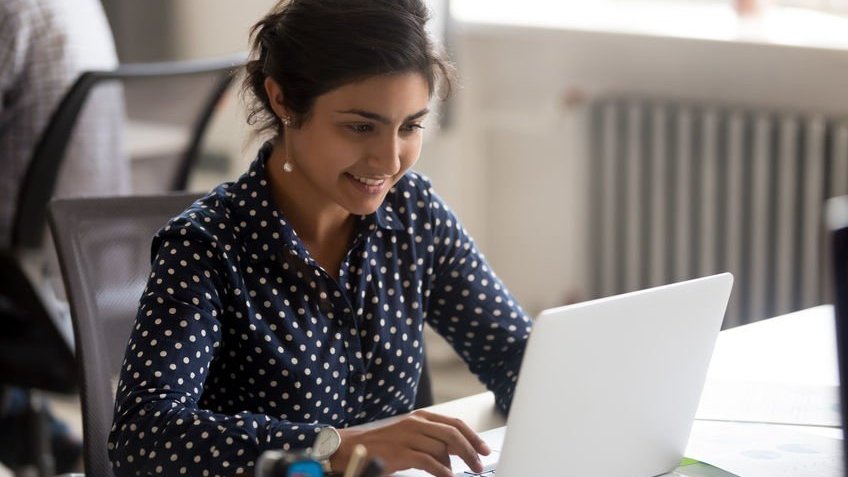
310,47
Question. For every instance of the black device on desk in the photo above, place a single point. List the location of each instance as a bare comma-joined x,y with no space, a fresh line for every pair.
837,221
275,463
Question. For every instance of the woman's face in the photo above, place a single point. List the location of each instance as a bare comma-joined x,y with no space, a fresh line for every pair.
359,140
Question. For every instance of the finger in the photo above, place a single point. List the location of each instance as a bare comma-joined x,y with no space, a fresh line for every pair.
427,463
476,441
431,446
454,440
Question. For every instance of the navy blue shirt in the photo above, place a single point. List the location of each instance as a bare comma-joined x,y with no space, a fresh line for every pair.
244,343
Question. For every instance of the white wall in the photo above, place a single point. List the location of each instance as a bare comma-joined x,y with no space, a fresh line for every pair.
524,142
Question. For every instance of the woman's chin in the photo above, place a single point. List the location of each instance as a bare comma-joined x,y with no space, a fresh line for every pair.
363,209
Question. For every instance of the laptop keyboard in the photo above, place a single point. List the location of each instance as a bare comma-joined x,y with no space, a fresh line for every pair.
485,473
488,471
494,438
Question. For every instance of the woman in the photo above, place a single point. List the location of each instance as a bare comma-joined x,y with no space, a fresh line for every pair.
291,303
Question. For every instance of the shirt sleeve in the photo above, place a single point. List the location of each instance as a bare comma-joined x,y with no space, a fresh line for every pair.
159,427
472,309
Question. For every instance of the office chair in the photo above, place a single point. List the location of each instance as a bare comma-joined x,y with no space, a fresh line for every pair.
158,97
104,253
171,104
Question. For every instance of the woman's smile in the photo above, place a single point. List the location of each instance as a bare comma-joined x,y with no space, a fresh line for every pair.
370,186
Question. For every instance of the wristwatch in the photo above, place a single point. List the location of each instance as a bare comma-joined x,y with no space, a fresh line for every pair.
326,444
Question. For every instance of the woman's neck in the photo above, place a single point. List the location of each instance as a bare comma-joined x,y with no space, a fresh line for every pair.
323,226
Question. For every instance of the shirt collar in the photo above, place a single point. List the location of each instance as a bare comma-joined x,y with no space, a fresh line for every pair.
264,228
383,218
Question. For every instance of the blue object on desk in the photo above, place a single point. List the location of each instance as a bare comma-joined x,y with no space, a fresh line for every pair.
275,463
304,468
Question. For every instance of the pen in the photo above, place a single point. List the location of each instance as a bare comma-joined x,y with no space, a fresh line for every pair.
373,468
355,458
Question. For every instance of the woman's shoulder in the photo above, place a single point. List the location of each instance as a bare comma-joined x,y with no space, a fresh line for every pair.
207,219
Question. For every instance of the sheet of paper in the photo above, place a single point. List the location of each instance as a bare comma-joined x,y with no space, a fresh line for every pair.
781,370
814,405
763,450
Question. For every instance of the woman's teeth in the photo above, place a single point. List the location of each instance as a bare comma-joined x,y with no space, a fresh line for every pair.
367,181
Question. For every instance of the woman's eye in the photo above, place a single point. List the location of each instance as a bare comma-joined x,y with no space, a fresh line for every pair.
411,127
360,128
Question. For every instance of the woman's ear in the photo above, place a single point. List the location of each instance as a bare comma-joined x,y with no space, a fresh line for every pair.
275,97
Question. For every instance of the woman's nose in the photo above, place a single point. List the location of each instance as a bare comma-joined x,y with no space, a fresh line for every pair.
387,155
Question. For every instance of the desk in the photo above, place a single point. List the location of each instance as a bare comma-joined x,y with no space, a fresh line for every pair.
792,356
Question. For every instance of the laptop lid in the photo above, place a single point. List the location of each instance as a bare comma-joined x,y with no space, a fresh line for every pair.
837,221
610,387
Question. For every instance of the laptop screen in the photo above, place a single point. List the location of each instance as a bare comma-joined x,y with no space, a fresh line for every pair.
837,218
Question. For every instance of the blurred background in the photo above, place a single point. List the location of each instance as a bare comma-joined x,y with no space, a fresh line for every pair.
596,147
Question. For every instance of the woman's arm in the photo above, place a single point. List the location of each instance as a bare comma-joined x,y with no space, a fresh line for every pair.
470,306
159,426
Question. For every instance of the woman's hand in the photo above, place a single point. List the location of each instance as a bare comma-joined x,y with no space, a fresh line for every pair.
420,440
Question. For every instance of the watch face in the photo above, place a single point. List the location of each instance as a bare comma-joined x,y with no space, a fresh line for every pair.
326,443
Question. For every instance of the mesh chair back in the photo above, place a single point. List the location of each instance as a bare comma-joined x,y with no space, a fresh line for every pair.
139,127
104,252
167,114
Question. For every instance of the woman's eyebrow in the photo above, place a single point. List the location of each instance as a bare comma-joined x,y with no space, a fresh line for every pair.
380,118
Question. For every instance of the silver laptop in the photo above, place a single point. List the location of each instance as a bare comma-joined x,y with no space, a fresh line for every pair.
609,388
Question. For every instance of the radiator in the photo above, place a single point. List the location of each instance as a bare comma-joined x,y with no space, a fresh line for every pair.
681,190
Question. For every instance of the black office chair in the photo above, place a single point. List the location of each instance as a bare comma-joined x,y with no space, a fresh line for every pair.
174,100
104,251
155,94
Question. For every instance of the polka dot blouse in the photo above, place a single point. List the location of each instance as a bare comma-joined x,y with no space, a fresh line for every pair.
244,343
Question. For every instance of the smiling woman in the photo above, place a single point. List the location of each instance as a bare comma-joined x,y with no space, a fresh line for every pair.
287,308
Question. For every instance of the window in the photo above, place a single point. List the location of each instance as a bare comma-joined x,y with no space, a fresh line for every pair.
836,6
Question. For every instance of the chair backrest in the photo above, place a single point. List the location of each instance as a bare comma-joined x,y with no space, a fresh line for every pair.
165,109
104,253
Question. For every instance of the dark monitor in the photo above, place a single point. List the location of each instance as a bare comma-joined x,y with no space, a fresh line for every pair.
837,221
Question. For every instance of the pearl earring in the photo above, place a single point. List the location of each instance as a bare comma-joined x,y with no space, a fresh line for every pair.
287,166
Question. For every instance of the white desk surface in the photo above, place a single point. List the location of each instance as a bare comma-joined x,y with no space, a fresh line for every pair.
782,370
798,348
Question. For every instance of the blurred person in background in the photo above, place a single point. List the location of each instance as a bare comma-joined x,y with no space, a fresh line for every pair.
44,47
